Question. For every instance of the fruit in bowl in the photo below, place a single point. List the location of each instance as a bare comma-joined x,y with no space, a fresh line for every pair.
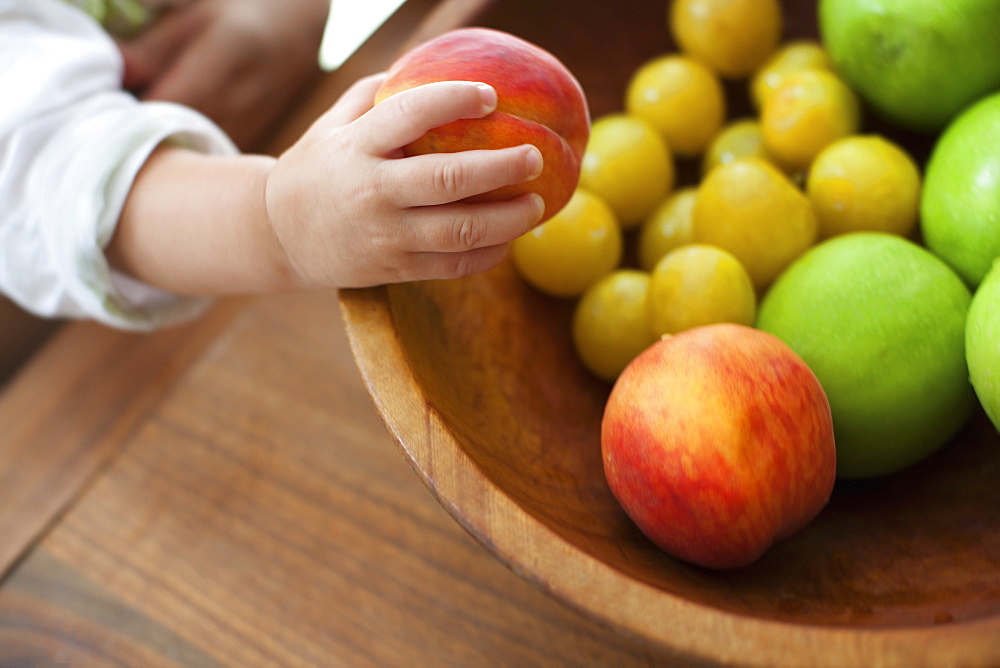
567,254
733,37
918,62
806,112
610,324
718,441
982,343
755,212
698,284
477,380
540,102
682,98
881,321
864,183
628,165
960,207
791,57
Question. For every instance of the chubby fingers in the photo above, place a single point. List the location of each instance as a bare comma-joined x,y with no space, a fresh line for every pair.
440,178
457,240
410,114
458,228
457,265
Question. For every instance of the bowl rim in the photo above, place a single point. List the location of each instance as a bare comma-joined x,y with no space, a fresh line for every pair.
646,613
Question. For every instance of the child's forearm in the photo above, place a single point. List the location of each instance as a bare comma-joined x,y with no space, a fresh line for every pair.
341,208
197,224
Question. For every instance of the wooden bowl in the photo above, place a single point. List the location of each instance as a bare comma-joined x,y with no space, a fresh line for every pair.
477,381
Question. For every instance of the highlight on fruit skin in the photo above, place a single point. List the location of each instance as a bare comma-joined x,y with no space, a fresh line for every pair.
540,102
795,55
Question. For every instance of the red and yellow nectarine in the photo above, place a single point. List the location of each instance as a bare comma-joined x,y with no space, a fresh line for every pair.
718,441
540,102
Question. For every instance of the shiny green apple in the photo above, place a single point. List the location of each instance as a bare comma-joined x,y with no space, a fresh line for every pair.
960,204
881,321
982,343
917,62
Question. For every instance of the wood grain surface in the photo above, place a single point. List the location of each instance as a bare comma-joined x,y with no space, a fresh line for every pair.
259,514
21,334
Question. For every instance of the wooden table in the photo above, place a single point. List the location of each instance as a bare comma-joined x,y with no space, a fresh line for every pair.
223,493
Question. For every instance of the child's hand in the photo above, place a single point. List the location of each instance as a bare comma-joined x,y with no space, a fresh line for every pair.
350,211
240,62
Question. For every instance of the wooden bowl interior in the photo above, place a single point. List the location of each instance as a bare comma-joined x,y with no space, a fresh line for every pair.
494,359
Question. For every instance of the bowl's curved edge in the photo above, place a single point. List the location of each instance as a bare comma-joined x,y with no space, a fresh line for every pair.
648,614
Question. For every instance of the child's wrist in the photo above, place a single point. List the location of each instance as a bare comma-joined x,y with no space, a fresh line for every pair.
280,197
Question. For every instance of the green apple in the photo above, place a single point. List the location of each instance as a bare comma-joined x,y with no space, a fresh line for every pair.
960,205
917,62
881,322
982,343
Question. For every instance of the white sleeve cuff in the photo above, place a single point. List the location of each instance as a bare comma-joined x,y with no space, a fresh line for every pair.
71,144
72,202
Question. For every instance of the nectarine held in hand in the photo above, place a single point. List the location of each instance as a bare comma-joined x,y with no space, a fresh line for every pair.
540,102
718,441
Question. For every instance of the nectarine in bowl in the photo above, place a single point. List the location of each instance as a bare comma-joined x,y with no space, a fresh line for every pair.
477,381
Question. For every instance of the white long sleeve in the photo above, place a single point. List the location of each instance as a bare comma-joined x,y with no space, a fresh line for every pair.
71,143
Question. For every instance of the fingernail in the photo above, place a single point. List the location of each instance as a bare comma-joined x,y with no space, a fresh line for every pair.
488,96
539,204
535,163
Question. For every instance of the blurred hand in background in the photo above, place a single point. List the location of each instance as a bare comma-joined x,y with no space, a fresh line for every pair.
240,62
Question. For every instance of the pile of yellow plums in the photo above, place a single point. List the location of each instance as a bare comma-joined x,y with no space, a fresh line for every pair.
772,184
